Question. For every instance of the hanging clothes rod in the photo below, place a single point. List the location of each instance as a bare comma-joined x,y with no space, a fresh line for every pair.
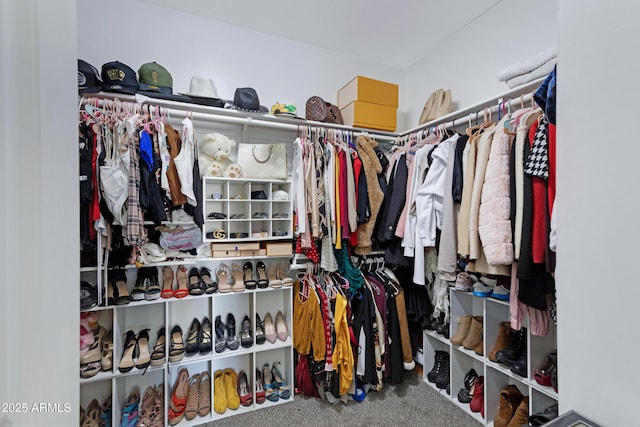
223,115
512,99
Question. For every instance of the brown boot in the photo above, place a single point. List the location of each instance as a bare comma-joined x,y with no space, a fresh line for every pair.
479,349
474,337
510,398
464,323
521,417
503,340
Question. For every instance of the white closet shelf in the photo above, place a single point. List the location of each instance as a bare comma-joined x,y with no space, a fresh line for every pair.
185,261
256,348
469,353
188,360
549,391
506,371
224,115
98,377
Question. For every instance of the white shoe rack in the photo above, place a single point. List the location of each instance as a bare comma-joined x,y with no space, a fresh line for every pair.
496,375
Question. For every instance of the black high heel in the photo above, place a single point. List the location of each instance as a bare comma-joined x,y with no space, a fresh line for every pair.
232,340
176,353
196,287
158,356
247,276
126,361
246,338
193,342
260,336
261,272
205,336
143,359
211,285
221,344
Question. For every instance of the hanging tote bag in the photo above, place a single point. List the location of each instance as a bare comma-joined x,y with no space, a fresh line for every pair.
263,161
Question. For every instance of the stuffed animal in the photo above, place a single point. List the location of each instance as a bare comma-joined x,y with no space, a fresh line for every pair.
214,157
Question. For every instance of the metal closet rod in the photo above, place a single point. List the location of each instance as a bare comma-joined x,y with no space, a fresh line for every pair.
512,98
223,115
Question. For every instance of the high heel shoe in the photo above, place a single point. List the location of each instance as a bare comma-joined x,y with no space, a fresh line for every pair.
269,329
232,340
152,292
243,389
270,388
204,396
106,361
178,401
193,342
205,336
158,356
247,276
130,409
91,361
181,277
272,275
225,280
167,282
261,272
281,327
246,338
211,287
196,287
260,393
176,353
260,337
126,361
220,327
279,381
140,287
144,357
282,275
191,409
120,291
238,281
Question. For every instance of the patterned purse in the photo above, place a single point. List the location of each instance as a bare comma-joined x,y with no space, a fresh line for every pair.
317,109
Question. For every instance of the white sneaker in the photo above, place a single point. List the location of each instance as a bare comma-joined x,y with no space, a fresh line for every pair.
501,293
484,287
463,282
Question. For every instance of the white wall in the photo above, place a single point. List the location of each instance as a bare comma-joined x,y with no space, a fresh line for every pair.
597,190
39,214
469,61
280,70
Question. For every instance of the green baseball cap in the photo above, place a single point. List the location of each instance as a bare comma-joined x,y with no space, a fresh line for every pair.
154,77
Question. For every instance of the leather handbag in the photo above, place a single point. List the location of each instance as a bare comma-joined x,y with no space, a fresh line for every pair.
438,104
319,110
263,161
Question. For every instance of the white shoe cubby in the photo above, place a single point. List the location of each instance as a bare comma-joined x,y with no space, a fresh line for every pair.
496,375
243,217
169,312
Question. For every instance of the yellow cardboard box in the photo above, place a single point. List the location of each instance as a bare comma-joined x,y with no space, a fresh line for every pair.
368,90
371,116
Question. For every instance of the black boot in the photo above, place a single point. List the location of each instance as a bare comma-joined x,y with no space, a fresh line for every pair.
519,367
442,380
514,350
442,357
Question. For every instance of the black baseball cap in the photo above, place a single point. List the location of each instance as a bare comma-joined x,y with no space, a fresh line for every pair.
119,77
89,80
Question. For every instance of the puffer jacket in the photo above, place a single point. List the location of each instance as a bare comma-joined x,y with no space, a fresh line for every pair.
494,224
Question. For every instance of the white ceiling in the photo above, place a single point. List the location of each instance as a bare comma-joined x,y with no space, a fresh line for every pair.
370,29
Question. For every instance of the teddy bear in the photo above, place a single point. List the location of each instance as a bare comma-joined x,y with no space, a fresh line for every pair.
213,158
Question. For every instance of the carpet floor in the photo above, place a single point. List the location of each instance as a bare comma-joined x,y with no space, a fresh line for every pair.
412,403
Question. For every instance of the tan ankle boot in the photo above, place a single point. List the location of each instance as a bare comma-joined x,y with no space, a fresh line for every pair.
510,398
521,417
464,323
474,337
503,340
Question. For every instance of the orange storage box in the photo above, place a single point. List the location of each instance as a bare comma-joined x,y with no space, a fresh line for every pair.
368,90
368,115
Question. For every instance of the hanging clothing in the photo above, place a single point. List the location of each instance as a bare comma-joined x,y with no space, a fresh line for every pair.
375,196
308,328
184,162
174,144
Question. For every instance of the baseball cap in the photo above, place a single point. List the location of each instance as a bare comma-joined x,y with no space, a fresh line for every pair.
155,78
119,77
89,80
